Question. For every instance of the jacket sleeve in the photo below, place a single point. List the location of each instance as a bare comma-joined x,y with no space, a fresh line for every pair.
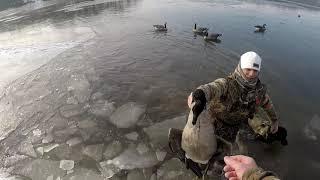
267,105
259,174
215,89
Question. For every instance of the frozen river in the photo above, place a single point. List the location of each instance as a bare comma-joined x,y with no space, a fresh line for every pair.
89,90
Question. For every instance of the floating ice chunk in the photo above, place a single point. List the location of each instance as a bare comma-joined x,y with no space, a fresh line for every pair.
108,170
72,100
37,132
66,133
312,129
135,175
71,110
50,177
74,141
132,136
50,147
64,151
47,139
174,169
87,124
96,96
131,159
83,174
40,150
315,123
40,169
94,151
153,177
70,88
112,150
102,108
161,155
66,165
80,87
142,148
158,133
12,160
127,115
147,172
26,148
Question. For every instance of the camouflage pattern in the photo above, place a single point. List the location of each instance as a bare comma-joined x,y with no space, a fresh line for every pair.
229,112
259,174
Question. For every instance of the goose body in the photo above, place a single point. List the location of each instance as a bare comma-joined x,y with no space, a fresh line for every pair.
260,28
211,36
159,27
199,30
199,141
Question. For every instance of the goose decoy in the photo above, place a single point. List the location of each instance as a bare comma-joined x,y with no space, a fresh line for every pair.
260,28
211,36
160,27
199,30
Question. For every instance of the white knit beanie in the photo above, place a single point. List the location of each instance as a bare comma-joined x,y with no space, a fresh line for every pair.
250,60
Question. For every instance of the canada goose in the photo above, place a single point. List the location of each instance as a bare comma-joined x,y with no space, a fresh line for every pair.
260,28
211,36
199,145
158,27
199,30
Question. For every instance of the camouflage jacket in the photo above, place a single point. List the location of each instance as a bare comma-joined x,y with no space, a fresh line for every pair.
259,174
223,101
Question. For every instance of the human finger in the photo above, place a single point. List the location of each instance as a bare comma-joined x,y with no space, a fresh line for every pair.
231,162
230,174
234,178
228,168
241,158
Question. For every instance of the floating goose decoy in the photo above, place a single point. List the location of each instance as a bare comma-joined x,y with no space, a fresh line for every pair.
260,28
211,36
199,30
158,27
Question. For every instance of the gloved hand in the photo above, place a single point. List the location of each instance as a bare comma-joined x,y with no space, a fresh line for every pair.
199,98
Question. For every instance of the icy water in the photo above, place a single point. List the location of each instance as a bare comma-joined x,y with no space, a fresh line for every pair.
91,82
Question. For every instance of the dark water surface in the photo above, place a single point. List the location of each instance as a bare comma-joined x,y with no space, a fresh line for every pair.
161,69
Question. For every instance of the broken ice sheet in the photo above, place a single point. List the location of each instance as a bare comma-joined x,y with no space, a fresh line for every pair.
94,151
74,141
132,136
142,148
83,174
108,169
131,159
80,87
158,133
40,169
135,175
66,165
174,169
112,150
102,108
127,115
26,148
161,155
11,160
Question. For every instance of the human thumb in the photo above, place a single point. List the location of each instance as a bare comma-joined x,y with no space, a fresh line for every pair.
231,162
